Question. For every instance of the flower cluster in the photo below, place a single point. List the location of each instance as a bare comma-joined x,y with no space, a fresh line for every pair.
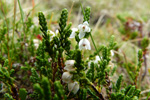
84,43
67,76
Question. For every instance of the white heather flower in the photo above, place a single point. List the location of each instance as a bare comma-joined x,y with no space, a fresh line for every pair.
74,87
112,53
73,34
57,31
66,77
26,44
69,65
84,44
89,63
96,59
36,43
83,28
52,34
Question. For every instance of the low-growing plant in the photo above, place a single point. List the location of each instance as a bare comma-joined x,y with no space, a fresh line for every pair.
51,68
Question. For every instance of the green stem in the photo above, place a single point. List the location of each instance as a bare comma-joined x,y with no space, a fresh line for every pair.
95,46
81,7
22,17
24,31
21,12
15,4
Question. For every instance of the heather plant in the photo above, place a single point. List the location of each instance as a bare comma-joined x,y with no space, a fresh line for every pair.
132,29
51,67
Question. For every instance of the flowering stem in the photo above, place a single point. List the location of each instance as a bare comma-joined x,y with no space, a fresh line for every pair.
91,34
95,46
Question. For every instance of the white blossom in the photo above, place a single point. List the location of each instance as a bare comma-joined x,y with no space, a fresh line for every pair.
69,65
66,77
84,44
73,34
52,34
26,44
36,43
112,52
57,31
74,87
97,59
89,63
83,28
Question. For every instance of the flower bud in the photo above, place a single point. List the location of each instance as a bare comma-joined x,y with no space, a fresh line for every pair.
69,65
74,87
36,43
66,77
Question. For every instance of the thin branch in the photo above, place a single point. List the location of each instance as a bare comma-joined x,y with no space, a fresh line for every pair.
15,6
95,46
99,94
